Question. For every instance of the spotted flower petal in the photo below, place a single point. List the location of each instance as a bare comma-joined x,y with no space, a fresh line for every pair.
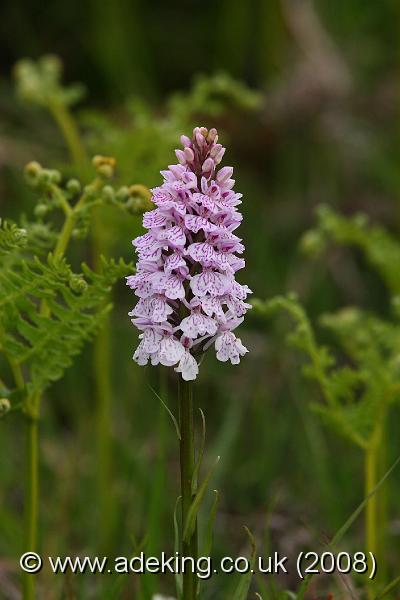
229,347
188,367
175,262
171,351
151,340
141,356
175,236
209,282
174,288
154,218
197,324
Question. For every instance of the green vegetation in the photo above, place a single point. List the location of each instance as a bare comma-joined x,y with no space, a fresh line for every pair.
304,96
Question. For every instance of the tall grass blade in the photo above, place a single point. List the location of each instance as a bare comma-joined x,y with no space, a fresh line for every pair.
209,532
242,589
173,419
210,525
346,526
195,506
199,461
389,588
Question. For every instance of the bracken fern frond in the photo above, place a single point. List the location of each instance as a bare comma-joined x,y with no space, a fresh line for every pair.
44,342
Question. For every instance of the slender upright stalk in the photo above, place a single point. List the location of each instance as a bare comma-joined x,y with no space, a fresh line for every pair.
187,459
31,501
371,510
373,536
70,132
383,508
31,479
371,528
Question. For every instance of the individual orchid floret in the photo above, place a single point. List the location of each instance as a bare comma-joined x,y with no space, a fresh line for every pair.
188,297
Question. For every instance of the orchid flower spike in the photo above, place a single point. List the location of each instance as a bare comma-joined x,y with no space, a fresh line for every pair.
189,299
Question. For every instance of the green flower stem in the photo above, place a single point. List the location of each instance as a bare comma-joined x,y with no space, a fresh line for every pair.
372,476
31,502
65,235
70,222
31,486
17,373
371,522
187,461
31,482
383,515
70,132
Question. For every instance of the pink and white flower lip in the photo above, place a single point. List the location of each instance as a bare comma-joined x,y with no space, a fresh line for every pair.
188,297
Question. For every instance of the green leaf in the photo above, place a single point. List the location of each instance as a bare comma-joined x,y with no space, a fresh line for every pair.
355,394
195,506
39,82
381,249
210,525
348,523
12,237
44,323
199,461
242,589
172,416
389,588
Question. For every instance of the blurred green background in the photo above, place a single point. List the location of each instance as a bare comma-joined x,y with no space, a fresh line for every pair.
305,96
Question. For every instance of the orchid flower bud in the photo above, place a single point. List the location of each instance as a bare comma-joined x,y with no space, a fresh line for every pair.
208,165
219,156
180,155
185,140
224,174
189,154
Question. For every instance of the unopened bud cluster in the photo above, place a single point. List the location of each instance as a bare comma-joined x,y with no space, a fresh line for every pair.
39,82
